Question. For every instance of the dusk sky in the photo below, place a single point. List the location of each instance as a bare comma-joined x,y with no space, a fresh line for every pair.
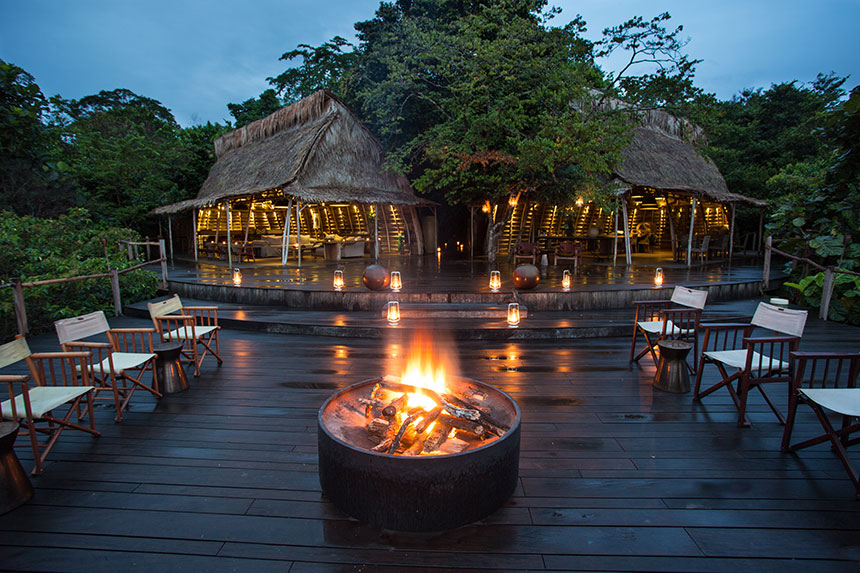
195,56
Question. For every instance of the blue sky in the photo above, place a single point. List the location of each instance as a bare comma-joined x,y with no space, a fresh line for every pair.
195,56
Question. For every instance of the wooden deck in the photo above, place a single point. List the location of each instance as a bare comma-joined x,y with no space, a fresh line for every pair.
614,476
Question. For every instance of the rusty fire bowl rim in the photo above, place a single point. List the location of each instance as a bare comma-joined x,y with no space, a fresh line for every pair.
421,459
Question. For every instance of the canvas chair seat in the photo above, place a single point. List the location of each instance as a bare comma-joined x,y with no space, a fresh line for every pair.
43,399
844,401
656,327
121,361
746,363
186,333
738,359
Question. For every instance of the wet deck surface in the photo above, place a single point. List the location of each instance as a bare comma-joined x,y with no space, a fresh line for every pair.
444,274
614,475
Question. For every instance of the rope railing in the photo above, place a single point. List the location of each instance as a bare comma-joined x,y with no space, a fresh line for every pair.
17,285
829,273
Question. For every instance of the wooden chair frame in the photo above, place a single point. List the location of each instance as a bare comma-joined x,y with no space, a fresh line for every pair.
701,252
117,366
195,326
568,252
818,376
757,361
656,320
527,251
56,383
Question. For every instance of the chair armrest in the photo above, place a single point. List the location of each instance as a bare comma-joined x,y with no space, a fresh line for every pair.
69,354
718,336
200,307
654,302
175,318
133,330
84,344
13,378
723,325
831,355
770,339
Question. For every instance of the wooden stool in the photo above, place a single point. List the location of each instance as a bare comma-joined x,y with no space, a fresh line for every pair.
672,374
171,374
15,486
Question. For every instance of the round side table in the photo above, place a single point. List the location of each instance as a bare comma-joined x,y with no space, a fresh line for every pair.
672,374
171,374
15,486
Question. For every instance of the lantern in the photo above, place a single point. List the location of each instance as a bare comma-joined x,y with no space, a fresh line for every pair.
338,280
485,208
658,277
396,283
565,280
513,315
393,312
512,201
495,281
237,276
580,202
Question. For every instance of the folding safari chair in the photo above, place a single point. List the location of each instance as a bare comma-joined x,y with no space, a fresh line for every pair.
526,251
827,381
195,326
676,318
117,366
55,384
756,361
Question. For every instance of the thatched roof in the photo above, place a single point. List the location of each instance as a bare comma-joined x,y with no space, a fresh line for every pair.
315,149
663,155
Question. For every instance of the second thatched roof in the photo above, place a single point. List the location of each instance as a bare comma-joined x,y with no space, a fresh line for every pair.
315,149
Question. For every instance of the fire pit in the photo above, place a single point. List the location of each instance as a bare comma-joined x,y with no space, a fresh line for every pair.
408,455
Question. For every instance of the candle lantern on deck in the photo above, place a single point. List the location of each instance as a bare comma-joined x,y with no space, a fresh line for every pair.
338,280
495,281
565,280
513,315
658,277
396,282
237,276
393,312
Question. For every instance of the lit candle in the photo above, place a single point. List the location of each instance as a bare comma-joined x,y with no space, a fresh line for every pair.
565,280
393,312
513,315
658,277
396,283
338,280
495,281
237,276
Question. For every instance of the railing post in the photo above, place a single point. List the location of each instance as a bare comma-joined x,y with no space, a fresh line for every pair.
162,252
826,293
20,309
767,254
114,285
130,250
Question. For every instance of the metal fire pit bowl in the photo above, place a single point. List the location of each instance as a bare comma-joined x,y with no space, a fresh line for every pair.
415,493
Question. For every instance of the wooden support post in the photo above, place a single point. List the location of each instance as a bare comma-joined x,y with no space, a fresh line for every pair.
732,234
376,232
130,250
229,242
615,242
170,235
163,257
285,239
114,287
628,258
299,232
690,237
767,255
826,293
194,232
471,232
20,308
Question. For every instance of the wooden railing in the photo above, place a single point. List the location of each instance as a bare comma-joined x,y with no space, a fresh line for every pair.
17,285
829,272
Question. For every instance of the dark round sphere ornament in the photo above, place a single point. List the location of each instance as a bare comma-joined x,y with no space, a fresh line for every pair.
376,277
526,277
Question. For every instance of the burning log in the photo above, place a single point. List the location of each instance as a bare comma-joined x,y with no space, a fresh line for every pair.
378,427
436,438
406,423
465,426
428,419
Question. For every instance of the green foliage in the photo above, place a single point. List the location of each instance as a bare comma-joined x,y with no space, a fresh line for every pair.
32,178
845,302
329,66
35,249
255,108
128,155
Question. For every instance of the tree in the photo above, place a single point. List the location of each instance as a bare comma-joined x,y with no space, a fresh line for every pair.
329,66
32,178
255,108
126,154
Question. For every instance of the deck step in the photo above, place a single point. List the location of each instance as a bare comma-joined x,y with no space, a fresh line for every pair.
454,310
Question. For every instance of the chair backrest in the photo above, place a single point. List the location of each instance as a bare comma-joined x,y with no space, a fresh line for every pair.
163,307
826,369
692,298
784,320
13,352
706,242
526,248
80,327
